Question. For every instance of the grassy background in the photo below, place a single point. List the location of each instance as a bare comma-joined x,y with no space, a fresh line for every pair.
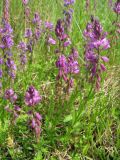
85,127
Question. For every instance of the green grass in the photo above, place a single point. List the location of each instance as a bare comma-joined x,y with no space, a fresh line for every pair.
87,127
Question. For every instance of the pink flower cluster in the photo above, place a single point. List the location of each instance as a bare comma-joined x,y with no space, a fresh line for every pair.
35,123
68,66
117,7
10,95
96,41
32,97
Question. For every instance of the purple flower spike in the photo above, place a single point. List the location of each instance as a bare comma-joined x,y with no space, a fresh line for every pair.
6,36
96,42
59,30
117,7
32,97
68,19
35,123
68,66
7,41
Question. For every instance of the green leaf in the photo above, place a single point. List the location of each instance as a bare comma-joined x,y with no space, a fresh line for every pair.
68,118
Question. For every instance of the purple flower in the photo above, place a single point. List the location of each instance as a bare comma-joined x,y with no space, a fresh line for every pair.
103,68
68,2
93,30
8,53
62,62
104,43
73,66
11,68
91,63
48,25
71,82
23,59
10,95
90,56
68,19
32,97
36,18
14,98
7,41
10,64
12,74
62,65
37,33
1,61
7,28
118,31
59,30
28,33
67,65
51,41
22,46
117,7
38,116
96,42
105,59
17,108
0,85
25,2
35,124
1,73
67,43
74,54
6,36
30,46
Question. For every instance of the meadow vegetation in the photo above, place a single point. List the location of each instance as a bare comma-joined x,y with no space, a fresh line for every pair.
60,80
